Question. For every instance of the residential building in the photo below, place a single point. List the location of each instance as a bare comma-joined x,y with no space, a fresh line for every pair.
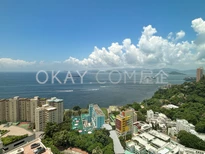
3,110
141,127
113,109
14,109
182,124
134,147
34,103
26,148
124,121
199,74
151,142
96,116
172,131
150,115
24,109
43,115
58,103
170,106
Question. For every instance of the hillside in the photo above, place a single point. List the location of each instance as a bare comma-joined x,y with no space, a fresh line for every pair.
189,96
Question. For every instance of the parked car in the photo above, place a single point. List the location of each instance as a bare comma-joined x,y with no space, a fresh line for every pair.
40,150
35,145
36,150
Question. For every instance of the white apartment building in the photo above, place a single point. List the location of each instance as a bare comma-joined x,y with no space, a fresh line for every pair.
182,124
58,103
150,115
43,115
24,109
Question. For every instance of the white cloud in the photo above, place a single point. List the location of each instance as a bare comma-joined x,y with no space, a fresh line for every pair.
198,25
180,35
150,51
8,62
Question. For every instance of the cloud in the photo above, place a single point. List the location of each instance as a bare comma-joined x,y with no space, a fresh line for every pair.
198,25
180,35
151,50
8,62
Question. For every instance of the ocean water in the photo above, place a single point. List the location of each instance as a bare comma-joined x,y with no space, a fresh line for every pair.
77,93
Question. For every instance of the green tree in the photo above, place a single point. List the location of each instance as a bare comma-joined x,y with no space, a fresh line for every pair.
190,140
76,108
97,150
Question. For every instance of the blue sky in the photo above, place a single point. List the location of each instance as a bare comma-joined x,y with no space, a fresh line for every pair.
51,30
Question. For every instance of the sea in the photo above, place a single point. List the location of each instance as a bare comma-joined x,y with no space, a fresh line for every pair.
104,88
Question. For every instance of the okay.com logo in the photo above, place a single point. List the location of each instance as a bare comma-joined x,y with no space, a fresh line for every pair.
146,77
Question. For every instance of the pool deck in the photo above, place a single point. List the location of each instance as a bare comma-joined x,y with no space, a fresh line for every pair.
77,123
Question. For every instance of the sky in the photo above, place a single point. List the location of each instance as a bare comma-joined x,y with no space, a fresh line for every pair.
85,34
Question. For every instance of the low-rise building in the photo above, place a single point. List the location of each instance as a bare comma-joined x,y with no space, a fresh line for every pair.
113,109
172,131
26,148
141,127
170,106
182,124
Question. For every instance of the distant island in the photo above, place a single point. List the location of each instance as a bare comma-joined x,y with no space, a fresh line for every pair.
176,73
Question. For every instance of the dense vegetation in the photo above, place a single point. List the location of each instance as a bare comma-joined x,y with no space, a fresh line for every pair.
105,112
63,136
190,140
11,139
2,132
190,97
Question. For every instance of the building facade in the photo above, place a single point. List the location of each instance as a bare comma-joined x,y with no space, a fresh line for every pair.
124,121
58,104
96,116
34,110
43,115
199,74
182,124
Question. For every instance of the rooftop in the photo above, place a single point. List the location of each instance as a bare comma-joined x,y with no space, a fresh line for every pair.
159,135
50,108
147,136
98,110
27,148
163,151
54,99
158,142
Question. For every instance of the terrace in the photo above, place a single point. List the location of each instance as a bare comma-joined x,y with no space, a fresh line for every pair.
80,123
